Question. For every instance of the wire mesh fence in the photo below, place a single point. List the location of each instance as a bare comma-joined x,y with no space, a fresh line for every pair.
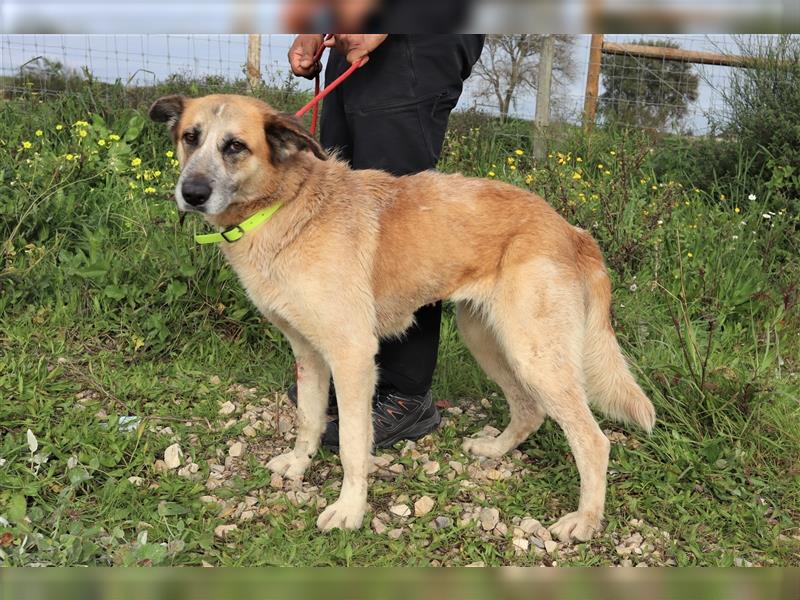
671,96
668,95
52,63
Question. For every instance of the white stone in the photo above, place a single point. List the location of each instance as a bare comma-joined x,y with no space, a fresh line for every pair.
423,506
236,449
228,408
401,510
529,525
222,531
379,526
489,517
172,456
521,544
431,467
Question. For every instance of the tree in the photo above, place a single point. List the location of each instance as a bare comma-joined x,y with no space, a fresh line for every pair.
509,66
646,92
46,74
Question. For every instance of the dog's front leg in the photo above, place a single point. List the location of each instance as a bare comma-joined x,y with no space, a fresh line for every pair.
313,381
354,374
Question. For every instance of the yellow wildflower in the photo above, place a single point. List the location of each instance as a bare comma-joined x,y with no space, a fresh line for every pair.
578,159
576,176
59,127
722,196
513,167
519,152
83,133
70,157
600,166
510,160
113,137
653,187
156,173
39,133
81,124
136,162
606,172
169,154
612,153
689,254
149,190
491,173
101,142
529,179
26,144
737,210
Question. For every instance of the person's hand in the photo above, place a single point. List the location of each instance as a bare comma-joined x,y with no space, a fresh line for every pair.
356,45
301,55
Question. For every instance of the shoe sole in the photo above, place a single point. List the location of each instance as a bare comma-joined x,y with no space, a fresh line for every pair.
418,430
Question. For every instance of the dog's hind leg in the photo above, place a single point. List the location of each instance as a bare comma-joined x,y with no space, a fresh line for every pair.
313,380
526,414
539,318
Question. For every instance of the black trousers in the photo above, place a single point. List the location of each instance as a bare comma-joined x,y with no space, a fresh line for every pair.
392,114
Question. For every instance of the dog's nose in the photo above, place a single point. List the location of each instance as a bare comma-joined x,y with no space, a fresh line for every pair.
196,191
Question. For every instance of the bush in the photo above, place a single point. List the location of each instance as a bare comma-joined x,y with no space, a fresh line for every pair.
763,105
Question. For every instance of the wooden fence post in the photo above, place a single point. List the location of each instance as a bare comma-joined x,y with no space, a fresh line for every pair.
542,119
253,65
593,80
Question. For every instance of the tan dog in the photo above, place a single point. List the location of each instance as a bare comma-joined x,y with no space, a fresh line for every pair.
351,255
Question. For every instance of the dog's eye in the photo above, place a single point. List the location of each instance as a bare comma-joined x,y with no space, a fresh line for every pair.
190,138
234,147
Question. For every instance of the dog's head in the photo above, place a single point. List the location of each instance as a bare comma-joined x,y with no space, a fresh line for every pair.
231,148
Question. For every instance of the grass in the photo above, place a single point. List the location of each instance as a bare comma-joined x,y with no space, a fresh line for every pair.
107,309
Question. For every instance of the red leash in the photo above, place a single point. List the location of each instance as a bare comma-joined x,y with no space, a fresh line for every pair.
318,96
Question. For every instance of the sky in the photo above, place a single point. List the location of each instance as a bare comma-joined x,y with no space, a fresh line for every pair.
144,58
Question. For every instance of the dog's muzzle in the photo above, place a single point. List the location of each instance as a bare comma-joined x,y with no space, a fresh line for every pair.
196,191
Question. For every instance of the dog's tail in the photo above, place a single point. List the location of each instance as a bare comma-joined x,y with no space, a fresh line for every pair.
610,385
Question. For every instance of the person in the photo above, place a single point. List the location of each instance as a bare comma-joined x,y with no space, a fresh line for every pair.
392,114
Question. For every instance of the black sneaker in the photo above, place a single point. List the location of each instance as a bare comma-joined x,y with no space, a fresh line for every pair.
395,417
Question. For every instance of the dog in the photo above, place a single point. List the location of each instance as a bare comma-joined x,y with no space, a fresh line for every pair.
350,255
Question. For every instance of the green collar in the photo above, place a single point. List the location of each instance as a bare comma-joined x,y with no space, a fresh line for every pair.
235,232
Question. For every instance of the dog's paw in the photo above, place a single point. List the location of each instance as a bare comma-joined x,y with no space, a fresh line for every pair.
487,447
289,465
576,526
342,514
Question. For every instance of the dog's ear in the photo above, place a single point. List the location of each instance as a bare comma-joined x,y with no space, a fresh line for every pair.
286,137
168,109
